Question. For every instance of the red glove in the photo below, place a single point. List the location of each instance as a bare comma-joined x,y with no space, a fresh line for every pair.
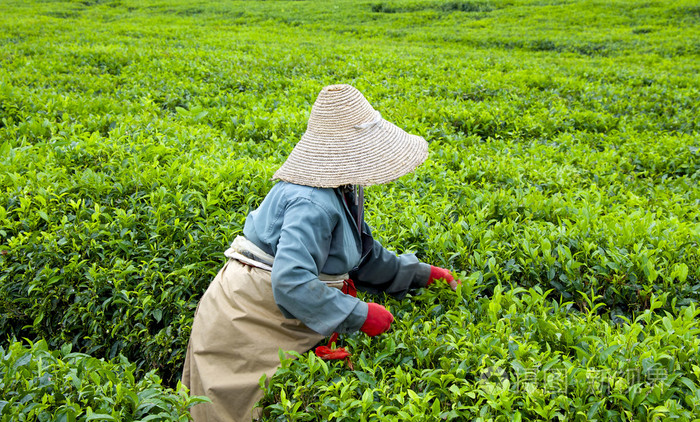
378,320
441,273
326,353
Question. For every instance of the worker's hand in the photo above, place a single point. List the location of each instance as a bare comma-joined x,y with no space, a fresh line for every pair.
378,320
437,273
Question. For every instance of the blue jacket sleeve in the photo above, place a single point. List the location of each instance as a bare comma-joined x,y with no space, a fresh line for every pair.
384,271
302,250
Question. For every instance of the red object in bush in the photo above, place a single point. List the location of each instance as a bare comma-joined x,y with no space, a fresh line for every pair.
326,353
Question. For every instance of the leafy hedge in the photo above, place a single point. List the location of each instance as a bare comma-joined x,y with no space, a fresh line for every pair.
136,136
40,385
108,261
518,355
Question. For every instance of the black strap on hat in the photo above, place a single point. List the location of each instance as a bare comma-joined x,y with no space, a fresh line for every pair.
360,202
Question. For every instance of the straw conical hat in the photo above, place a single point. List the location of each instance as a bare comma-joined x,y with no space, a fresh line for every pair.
348,143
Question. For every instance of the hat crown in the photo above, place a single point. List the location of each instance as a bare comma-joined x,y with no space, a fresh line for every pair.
348,143
343,105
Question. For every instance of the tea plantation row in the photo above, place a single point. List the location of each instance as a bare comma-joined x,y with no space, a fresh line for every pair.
562,184
517,355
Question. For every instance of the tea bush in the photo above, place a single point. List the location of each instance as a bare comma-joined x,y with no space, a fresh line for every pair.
564,158
517,355
38,384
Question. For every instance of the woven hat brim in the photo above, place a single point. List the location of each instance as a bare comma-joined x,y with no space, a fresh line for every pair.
377,155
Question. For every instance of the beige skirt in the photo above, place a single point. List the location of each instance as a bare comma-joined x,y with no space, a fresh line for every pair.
236,337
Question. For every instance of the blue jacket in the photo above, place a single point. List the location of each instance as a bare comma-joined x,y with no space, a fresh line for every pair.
311,231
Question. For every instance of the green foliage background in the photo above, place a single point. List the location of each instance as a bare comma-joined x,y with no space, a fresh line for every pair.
135,137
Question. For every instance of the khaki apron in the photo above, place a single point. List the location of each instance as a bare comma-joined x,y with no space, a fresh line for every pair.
237,333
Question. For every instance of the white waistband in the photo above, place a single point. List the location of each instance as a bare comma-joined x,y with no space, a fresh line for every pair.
249,253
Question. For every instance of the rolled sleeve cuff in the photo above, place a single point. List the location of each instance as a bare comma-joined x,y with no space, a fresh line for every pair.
355,319
422,276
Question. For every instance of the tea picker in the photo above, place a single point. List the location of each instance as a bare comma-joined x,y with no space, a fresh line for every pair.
291,279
